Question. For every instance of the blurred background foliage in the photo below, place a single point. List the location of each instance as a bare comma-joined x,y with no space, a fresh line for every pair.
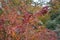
54,15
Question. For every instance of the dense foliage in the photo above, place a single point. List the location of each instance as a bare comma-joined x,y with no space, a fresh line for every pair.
54,15
21,21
